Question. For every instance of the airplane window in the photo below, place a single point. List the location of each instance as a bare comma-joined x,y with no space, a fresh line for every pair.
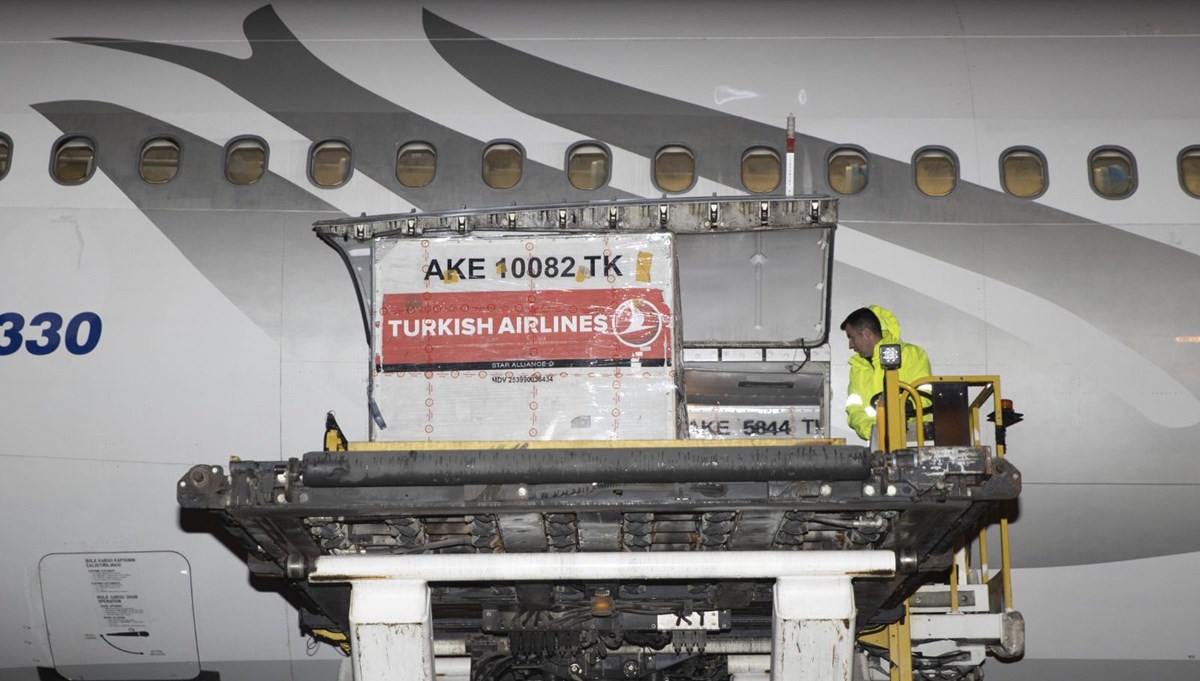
1189,171
416,164
1023,172
502,165
847,171
674,169
587,166
160,160
1114,175
761,169
329,163
5,154
245,160
74,160
936,171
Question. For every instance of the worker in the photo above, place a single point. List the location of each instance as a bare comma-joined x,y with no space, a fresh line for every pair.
867,328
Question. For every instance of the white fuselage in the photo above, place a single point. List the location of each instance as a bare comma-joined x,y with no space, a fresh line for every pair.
229,329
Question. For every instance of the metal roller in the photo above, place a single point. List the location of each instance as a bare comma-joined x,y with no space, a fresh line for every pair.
583,465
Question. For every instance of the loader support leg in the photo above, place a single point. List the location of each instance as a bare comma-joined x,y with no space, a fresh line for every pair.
813,629
391,630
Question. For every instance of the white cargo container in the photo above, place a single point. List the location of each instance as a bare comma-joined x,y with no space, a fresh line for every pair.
735,400
717,421
556,337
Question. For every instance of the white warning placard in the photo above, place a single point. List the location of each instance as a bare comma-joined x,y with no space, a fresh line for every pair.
120,615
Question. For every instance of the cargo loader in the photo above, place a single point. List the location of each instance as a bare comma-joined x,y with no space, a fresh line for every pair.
600,449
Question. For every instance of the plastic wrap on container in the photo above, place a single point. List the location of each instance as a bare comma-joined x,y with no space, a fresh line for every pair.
519,337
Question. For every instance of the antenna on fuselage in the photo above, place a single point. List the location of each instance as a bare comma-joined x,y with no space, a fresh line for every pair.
790,177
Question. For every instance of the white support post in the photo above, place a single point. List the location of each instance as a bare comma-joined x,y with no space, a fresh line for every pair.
391,630
813,629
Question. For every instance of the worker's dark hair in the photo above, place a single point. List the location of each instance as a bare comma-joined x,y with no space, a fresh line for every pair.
863,318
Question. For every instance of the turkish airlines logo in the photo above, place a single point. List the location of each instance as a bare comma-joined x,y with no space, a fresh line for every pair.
471,329
637,322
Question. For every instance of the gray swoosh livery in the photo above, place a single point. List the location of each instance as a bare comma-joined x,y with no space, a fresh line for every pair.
286,80
240,252
227,321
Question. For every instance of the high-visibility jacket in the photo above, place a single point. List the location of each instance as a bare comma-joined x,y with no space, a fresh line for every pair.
866,376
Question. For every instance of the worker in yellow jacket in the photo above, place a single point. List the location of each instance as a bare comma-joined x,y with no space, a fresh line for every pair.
867,328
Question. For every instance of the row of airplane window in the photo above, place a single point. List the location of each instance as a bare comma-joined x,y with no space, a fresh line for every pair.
1023,170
